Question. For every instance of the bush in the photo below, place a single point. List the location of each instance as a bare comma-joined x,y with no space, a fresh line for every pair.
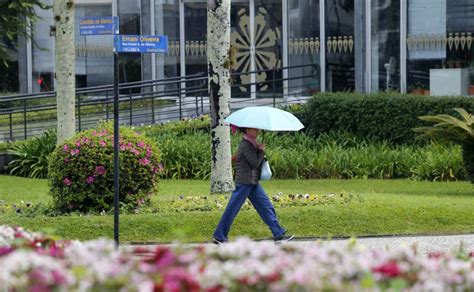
31,156
381,116
81,170
334,155
455,130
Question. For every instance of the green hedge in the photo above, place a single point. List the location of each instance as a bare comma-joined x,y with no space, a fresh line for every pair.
382,116
297,155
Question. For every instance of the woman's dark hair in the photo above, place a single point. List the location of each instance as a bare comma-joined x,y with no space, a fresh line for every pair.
243,130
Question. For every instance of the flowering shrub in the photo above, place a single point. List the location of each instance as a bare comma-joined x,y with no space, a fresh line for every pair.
41,264
81,170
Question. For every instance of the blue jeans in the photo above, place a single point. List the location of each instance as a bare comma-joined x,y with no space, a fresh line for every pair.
261,203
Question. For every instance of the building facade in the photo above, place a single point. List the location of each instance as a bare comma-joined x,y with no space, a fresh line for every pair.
350,45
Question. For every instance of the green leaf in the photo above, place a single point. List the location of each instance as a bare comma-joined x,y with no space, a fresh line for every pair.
368,281
398,284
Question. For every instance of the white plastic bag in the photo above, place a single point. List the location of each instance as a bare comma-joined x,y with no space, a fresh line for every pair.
265,172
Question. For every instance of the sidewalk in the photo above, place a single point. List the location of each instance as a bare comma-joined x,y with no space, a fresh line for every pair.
425,244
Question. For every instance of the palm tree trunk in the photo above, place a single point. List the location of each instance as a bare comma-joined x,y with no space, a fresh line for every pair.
218,46
65,59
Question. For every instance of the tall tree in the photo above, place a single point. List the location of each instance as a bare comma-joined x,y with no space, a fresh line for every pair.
219,64
13,16
65,58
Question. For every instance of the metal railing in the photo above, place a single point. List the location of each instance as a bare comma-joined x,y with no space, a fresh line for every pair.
152,101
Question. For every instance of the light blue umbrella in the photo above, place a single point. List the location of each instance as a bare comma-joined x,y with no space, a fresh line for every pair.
265,118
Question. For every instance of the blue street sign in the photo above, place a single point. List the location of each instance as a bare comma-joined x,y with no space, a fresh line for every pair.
99,25
141,44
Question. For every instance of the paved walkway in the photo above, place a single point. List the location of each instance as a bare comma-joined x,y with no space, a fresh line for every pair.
425,244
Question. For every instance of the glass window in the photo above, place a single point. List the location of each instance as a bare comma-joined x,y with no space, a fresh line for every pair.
440,51
263,51
303,47
385,37
240,40
94,54
167,23
130,64
340,62
43,50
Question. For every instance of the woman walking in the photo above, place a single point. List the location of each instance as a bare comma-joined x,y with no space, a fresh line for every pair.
249,160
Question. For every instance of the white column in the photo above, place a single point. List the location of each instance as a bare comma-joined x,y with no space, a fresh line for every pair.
29,61
285,46
252,48
403,45
152,32
182,43
368,46
322,50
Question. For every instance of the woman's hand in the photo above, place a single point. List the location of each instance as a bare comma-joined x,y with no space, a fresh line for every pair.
261,147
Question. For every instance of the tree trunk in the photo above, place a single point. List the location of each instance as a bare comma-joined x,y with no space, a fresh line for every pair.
218,47
65,58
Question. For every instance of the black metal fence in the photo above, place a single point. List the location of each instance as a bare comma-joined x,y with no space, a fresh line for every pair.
155,101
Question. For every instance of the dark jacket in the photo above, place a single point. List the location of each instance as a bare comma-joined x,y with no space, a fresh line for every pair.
249,161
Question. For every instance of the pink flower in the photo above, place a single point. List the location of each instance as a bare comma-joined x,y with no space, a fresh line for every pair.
141,145
90,180
59,278
122,148
100,170
66,159
65,147
75,151
4,250
94,133
148,153
102,143
86,140
78,144
144,161
389,269
135,151
67,181
158,169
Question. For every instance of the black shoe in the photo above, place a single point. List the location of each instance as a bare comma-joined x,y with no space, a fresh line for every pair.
217,241
283,238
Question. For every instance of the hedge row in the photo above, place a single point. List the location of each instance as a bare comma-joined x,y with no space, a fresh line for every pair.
381,116
301,156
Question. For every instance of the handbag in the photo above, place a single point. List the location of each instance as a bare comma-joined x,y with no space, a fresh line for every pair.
265,171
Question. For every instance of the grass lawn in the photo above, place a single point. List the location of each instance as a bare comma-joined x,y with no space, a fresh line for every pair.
390,207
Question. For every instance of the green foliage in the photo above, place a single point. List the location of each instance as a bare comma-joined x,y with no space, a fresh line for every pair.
12,21
301,156
31,156
449,128
81,170
381,116
452,129
186,126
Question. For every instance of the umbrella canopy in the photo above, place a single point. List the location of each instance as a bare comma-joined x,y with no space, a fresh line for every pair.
265,118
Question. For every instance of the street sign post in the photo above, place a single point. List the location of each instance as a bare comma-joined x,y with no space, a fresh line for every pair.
122,44
109,25
99,25
141,44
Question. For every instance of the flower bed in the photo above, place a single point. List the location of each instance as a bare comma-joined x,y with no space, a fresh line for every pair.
38,263
198,203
